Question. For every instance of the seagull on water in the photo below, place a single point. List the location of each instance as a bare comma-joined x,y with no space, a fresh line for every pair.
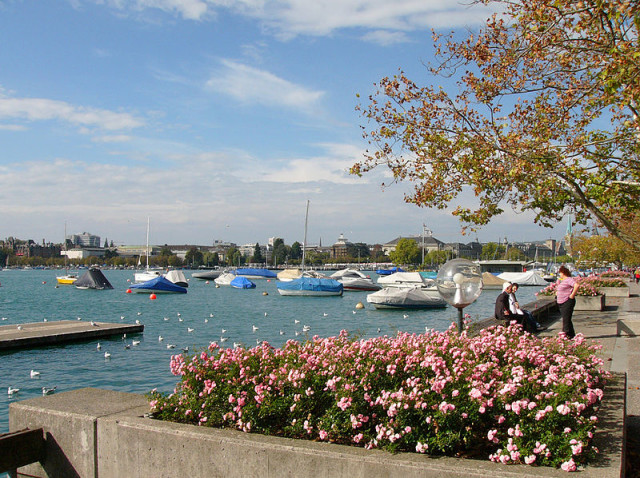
139,313
211,315
48,391
224,330
179,314
296,321
406,316
98,346
122,317
189,329
137,322
135,342
237,345
166,318
160,338
79,318
223,339
255,328
127,346
11,391
180,319
4,318
306,328
107,355
34,374
185,350
44,320
265,314
282,332
206,321
171,346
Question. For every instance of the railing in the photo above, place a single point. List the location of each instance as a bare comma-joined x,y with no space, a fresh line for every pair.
21,448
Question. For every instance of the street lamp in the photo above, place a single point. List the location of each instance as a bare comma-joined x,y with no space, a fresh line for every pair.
459,283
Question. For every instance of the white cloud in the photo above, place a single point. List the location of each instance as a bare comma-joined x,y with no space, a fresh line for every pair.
42,109
322,17
116,138
253,85
385,37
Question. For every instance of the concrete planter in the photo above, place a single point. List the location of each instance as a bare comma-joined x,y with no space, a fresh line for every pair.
92,432
614,291
584,302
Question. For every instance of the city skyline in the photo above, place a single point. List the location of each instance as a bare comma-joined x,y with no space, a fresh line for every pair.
216,120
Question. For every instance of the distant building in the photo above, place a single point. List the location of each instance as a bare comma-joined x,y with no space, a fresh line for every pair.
340,250
429,243
81,253
85,240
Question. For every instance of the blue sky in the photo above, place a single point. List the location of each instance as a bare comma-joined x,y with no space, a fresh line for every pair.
218,119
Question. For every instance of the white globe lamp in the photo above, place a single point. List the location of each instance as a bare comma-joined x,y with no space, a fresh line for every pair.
459,282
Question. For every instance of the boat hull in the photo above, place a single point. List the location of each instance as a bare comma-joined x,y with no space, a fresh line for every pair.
66,280
309,293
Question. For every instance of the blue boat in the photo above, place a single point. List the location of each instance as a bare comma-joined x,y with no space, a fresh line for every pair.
251,273
242,282
159,285
387,272
310,286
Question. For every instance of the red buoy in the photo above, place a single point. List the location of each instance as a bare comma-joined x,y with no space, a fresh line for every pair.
128,291
152,297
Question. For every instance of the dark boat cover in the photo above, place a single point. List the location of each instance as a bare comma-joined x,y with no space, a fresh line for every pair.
93,279
160,285
248,271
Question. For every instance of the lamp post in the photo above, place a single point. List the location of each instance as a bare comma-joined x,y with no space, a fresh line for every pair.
459,283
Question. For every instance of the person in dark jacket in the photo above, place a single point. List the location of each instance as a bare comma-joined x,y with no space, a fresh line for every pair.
503,310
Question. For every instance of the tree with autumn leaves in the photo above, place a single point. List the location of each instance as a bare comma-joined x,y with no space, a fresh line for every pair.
545,117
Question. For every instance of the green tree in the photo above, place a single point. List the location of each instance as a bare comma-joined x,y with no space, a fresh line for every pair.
491,251
257,255
296,251
194,257
234,257
436,258
514,254
280,252
545,118
358,251
406,252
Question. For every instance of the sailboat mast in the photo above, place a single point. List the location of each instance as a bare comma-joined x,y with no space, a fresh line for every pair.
304,241
147,242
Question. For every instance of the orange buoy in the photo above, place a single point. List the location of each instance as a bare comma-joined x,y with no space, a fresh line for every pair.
207,282
128,291
152,297
44,281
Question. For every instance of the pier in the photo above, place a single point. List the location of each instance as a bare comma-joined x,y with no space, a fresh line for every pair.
41,334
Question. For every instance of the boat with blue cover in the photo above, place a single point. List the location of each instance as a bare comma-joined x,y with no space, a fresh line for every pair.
241,282
158,285
392,270
310,286
251,273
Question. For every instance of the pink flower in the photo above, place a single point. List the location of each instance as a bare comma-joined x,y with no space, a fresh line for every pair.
323,434
569,465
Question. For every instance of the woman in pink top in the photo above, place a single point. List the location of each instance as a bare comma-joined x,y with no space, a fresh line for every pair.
566,299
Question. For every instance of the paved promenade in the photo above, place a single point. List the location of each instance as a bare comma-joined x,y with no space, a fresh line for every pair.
621,354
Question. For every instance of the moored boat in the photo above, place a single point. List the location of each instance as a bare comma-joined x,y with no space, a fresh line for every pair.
405,279
207,275
225,278
406,298
254,274
310,286
177,277
241,282
93,279
353,280
159,285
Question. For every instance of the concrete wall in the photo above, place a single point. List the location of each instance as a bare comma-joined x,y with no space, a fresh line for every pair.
101,433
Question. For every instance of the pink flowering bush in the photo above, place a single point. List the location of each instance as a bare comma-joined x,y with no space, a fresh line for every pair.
616,274
587,286
602,281
503,394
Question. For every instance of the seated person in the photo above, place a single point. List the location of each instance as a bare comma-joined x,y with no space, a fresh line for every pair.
503,310
514,307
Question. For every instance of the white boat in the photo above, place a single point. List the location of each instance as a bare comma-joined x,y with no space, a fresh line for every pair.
147,274
177,277
354,280
225,278
406,279
406,298
291,274
524,278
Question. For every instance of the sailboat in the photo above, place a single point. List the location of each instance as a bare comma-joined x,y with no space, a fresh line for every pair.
307,284
147,274
66,279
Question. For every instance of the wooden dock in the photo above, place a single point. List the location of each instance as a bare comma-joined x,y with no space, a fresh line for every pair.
42,334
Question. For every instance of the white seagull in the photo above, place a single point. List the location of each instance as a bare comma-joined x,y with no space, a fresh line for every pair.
171,346
189,329
98,346
160,338
255,328
107,355
296,321
135,342
11,391
166,318
223,339
34,374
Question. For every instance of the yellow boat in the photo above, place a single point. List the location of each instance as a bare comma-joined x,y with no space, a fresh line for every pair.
67,279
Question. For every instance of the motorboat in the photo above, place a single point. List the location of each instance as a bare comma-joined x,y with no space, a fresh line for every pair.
241,282
406,279
159,285
406,298
310,286
225,278
67,279
207,275
353,280
93,279
177,277
255,274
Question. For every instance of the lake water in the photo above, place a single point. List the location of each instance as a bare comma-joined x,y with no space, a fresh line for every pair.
32,296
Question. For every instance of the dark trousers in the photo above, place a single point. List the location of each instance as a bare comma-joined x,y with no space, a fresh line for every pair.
566,312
